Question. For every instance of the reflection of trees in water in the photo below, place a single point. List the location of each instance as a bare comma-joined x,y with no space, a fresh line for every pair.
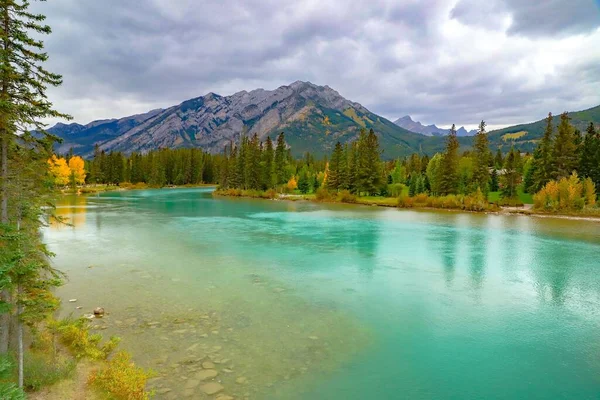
554,273
72,210
477,245
443,241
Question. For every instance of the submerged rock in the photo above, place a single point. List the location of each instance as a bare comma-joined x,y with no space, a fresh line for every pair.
208,365
241,380
212,388
98,312
207,374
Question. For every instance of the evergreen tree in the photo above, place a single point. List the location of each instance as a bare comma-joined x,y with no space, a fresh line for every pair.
23,106
589,163
268,169
449,165
369,163
281,160
542,158
498,160
481,172
412,188
565,150
511,178
335,164
494,182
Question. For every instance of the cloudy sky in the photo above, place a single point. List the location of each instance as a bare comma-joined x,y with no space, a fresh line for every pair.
441,61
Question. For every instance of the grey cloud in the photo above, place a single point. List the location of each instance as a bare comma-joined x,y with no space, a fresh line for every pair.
120,57
532,18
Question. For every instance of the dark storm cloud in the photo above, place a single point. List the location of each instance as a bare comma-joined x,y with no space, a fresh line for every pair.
442,61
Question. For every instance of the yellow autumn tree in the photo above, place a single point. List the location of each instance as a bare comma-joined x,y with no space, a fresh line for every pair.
59,170
292,183
77,167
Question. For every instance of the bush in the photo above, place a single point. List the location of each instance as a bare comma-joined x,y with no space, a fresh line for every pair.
421,199
323,194
405,201
346,197
396,189
122,379
43,369
75,335
269,194
567,194
8,390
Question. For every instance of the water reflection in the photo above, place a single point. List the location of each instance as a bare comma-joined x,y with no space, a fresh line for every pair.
71,210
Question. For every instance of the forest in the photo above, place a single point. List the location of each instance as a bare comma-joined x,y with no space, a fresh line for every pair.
565,161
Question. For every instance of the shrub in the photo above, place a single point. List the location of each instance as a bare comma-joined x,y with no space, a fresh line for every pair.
405,201
269,194
346,197
323,194
421,199
567,194
396,189
122,379
43,369
8,390
75,335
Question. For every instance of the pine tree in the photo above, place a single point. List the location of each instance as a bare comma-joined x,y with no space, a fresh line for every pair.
498,159
335,165
268,159
511,178
565,150
481,172
280,160
449,165
369,163
23,105
589,163
494,182
542,158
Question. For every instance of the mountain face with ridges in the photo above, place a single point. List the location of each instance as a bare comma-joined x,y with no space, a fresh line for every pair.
313,118
407,123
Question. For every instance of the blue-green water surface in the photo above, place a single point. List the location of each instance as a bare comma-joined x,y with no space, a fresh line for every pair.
310,301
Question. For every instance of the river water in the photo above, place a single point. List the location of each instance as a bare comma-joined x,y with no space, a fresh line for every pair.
297,300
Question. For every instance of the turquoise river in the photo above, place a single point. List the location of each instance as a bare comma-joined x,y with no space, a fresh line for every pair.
297,300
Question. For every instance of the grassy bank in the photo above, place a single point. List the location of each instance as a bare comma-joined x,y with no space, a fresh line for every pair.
66,360
100,188
470,203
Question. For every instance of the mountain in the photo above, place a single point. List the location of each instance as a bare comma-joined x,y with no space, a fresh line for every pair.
313,118
525,136
407,123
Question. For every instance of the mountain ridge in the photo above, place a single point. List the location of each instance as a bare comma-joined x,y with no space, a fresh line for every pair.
313,118
407,122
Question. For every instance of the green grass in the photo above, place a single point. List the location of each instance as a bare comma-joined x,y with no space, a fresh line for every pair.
526,198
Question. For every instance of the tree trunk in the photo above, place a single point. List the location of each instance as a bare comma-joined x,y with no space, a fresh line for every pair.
20,336
5,324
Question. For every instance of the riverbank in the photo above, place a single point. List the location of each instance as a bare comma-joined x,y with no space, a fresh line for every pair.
101,188
391,202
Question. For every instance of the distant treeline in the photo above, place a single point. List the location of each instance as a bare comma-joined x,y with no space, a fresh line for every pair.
357,167
155,168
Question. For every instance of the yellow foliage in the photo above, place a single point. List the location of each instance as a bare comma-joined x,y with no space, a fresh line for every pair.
59,170
513,136
77,167
292,183
351,113
75,334
326,120
567,194
122,379
589,192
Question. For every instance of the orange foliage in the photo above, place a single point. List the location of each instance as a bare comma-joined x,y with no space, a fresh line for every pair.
77,167
292,183
59,170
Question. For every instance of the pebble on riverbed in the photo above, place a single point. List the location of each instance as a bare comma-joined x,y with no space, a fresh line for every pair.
98,312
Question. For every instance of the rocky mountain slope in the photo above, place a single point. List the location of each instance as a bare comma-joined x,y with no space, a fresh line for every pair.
407,123
313,118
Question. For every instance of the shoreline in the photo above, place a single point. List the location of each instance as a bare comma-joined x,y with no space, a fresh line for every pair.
507,211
